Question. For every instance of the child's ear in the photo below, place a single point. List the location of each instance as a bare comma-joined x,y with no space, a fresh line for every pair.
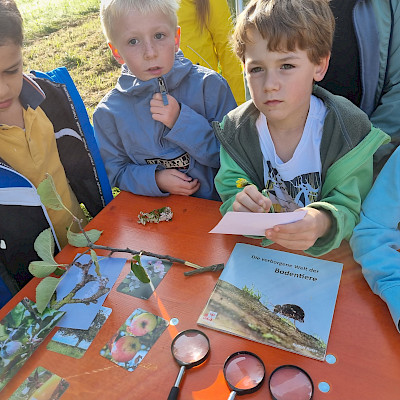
321,68
115,53
177,38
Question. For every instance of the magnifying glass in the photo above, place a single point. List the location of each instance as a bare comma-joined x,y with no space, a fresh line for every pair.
189,348
244,372
289,382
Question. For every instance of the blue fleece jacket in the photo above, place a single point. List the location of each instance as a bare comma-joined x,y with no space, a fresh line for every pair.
133,145
376,239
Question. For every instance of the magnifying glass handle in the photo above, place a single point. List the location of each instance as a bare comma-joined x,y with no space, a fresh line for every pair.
232,395
173,394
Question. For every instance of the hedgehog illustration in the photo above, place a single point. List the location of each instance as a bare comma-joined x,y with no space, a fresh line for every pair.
290,311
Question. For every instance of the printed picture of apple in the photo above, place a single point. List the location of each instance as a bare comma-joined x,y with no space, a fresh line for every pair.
125,348
142,324
111,342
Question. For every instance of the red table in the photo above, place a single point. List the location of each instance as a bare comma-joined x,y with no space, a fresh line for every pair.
363,337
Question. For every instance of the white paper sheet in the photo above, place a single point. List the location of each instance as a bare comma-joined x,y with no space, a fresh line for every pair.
248,223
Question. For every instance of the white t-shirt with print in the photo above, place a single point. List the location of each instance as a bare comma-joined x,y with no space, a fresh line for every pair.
297,182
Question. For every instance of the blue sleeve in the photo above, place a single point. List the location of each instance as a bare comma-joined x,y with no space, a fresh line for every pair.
376,239
122,171
193,132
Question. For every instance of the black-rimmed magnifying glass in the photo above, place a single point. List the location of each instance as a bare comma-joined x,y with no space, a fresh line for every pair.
189,348
289,382
244,372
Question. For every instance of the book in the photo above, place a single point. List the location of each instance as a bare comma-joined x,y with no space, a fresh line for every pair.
276,298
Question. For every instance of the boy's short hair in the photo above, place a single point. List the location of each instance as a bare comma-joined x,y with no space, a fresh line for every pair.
10,23
287,24
112,10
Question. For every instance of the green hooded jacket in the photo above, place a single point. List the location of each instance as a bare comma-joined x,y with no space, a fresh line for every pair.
347,147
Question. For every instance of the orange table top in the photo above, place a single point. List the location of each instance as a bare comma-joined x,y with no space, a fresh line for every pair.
363,337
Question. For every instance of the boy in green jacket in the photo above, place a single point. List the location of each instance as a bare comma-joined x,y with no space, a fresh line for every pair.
307,148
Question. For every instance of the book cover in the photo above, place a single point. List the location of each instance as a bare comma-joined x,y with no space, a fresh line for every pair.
276,298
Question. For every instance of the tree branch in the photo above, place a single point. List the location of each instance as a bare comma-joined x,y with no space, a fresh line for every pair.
91,245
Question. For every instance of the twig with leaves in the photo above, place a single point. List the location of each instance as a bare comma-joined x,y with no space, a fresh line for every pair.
51,271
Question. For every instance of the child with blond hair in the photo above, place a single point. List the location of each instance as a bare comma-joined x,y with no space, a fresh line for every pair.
154,128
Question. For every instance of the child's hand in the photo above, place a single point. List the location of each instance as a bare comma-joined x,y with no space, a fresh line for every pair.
301,235
251,200
166,114
176,182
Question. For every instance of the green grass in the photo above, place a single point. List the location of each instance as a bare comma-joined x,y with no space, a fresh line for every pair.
83,50
68,33
42,17
63,348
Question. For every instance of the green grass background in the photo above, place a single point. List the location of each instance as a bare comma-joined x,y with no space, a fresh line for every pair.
68,33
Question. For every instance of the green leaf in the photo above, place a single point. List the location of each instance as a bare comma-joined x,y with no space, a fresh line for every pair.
95,261
79,239
138,270
44,246
48,194
3,333
16,316
41,269
44,291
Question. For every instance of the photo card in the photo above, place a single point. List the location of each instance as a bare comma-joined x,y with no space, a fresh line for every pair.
22,330
134,339
156,270
75,342
41,384
87,289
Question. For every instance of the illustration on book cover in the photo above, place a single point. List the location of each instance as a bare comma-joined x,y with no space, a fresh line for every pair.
276,298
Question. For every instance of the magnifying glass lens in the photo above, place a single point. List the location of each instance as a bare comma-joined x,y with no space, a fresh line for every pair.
244,371
190,347
290,383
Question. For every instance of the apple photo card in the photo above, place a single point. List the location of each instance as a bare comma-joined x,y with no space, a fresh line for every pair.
134,339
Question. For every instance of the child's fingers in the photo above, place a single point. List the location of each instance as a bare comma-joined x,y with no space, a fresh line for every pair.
156,97
294,241
301,244
251,200
293,236
181,175
188,188
246,204
257,197
191,184
156,103
293,228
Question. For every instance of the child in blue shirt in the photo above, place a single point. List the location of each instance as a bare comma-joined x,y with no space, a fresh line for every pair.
154,128
376,239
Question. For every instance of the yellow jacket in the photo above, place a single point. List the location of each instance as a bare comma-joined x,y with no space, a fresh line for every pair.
211,46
